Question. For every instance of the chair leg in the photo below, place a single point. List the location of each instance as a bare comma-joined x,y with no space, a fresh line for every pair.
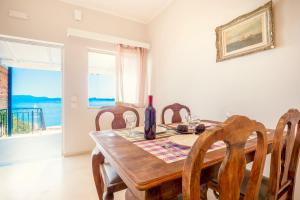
217,196
214,187
108,196
204,189
97,160
290,194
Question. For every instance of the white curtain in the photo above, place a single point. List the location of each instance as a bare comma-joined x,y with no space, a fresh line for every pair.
131,75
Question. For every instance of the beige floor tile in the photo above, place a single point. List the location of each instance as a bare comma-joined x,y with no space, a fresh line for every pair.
54,179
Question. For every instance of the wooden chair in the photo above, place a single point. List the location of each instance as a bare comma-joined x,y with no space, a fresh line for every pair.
285,157
234,132
284,160
104,174
176,108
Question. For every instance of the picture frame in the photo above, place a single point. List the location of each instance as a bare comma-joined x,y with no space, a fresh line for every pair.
247,34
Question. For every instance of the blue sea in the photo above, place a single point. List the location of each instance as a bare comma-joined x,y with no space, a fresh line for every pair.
52,111
52,108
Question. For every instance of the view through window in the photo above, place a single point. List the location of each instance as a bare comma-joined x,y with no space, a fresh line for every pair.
102,79
36,91
33,102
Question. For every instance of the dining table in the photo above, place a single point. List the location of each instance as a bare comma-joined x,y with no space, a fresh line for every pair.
152,169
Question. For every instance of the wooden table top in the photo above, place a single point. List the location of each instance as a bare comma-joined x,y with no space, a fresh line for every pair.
144,170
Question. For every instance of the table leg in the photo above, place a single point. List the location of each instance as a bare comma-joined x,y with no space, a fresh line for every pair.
97,160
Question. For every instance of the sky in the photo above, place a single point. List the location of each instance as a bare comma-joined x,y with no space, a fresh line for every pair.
101,86
42,83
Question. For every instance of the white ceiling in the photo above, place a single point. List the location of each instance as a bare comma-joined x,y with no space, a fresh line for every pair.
138,10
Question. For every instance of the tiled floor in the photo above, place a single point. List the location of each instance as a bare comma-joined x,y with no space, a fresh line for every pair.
54,179
30,147
48,179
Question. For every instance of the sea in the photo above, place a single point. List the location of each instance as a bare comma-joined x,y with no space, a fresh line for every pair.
52,107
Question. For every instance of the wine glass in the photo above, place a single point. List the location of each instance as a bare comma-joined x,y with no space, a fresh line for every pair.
188,118
195,120
130,120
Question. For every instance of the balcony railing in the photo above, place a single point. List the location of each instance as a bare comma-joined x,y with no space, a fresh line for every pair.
23,120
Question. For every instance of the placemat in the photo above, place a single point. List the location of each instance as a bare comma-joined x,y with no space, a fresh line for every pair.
208,125
170,152
139,136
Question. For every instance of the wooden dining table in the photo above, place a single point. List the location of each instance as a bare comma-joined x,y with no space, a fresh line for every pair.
150,178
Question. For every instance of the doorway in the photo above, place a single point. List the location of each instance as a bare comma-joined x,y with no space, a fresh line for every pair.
30,100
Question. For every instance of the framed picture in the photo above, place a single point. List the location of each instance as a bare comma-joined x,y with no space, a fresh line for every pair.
246,34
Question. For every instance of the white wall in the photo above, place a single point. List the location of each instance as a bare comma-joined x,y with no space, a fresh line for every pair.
48,21
262,86
79,120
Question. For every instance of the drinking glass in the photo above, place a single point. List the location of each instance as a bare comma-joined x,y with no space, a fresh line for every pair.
130,120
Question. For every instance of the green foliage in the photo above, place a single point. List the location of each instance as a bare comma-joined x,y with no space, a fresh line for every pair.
20,127
3,122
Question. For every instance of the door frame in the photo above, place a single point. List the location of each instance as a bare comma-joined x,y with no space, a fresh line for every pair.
45,44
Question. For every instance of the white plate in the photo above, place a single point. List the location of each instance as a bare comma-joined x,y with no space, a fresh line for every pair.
184,140
159,129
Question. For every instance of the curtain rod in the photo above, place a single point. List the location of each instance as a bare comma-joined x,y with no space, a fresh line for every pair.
105,38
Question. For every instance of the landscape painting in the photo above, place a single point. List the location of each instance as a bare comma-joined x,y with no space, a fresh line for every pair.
244,35
247,34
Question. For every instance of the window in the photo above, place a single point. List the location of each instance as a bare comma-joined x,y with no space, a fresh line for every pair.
102,79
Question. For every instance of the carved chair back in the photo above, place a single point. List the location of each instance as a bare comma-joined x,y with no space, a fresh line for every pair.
118,111
285,156
176,108
234,132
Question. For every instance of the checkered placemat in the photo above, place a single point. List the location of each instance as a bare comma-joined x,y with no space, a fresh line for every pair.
164,149
139,136
170,152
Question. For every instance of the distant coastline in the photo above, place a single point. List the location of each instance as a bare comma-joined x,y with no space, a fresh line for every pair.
101,99
52,107
30,98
